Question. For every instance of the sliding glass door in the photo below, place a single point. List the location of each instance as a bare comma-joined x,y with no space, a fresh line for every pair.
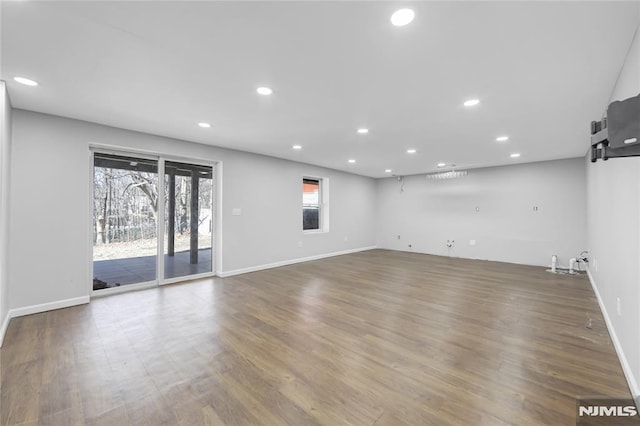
188,219
127,226
125,211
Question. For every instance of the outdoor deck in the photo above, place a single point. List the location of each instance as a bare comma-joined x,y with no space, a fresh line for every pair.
135,270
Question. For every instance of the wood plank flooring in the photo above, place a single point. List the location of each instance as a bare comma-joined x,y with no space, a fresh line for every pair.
377,337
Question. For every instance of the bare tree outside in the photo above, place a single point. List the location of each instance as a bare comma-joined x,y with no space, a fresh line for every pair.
125,211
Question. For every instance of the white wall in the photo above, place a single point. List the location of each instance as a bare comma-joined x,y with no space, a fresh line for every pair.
5,161
613,220
50,205
506,227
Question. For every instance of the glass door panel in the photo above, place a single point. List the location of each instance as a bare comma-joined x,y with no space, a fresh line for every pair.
125,209
188,219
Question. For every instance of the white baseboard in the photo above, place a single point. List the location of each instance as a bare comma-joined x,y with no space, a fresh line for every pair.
50,306
224,274
36,309
3,329
628,373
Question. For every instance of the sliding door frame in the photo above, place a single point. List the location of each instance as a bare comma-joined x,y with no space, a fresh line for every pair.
216,211
214,248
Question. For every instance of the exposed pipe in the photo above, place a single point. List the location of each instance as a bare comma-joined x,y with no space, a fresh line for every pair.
572,263
554,263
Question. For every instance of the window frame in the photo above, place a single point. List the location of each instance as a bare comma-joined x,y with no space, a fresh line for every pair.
161,157
323,205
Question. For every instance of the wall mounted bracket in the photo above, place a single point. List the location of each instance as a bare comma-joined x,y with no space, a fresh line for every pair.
618,134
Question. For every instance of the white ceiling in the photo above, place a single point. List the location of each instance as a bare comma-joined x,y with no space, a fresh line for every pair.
542,70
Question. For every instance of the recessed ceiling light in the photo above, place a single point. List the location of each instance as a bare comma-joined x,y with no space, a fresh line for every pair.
297,147
515,155
471,102
204,125
388,170
363,131
25,81
502,138
264,90
411,151
402,17
441,164
133,163
352,161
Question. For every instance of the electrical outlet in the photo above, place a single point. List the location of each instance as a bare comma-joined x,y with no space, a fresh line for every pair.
299,243
618,307
472,242
398,236
346,238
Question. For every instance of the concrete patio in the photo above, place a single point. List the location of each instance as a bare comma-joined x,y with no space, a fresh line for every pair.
135,270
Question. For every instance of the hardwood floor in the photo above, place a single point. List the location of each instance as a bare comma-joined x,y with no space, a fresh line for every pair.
377,337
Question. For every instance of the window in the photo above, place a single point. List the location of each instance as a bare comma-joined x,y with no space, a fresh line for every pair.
311,204
125,214
146,229
188,219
